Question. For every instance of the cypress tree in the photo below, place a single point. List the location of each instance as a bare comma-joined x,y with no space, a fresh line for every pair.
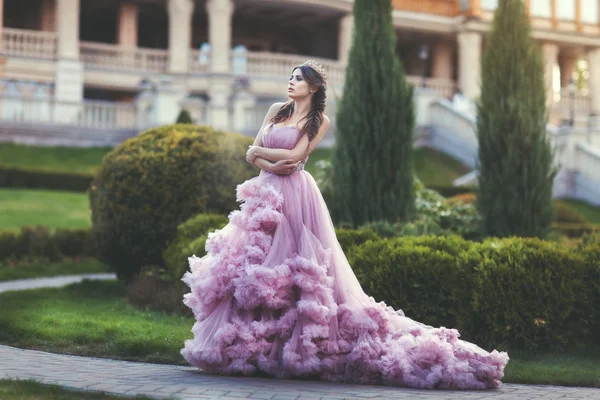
515,163
184,117
372,162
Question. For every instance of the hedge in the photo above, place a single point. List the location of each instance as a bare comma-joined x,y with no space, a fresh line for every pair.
11,177
42,242
518,293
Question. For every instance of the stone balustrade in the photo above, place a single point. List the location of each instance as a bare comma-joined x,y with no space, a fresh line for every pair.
28,43
86,114
101,55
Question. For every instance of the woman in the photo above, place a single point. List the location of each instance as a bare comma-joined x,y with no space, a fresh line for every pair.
275,294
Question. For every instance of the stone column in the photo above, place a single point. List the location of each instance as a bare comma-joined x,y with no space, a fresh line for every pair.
442,60
127,30
241,102
567,66
219,34
219,91
180,34
69,69
550,51
469,63
346,30
1,20
593,59
67,24
48,15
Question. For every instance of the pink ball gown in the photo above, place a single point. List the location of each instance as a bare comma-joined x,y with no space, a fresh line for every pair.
276,295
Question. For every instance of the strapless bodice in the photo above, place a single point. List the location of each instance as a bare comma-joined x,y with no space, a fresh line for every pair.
282,137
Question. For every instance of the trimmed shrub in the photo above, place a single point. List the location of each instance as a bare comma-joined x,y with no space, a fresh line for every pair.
41,242
11,177
151,183
567,214
514,292
575,230
529,293
190,239
351,238
151,289
426,283
591,252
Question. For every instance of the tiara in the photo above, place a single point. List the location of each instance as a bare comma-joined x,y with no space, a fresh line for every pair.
317,67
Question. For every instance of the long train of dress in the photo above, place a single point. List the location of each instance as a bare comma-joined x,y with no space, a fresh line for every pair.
276,295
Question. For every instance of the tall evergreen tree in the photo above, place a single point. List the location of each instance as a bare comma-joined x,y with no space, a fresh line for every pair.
515,164
372,163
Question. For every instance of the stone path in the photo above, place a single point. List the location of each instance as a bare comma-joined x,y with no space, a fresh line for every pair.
56,281
161,381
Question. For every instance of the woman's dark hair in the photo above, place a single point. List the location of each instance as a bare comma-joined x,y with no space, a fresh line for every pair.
314,118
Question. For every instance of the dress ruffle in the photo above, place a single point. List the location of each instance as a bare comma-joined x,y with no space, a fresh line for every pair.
267,299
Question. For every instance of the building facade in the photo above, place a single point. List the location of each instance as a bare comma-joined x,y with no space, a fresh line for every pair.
125,65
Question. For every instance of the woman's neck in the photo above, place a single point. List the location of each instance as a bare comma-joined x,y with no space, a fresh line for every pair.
302,108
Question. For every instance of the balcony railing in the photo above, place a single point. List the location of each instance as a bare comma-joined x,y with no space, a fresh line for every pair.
199,64
443,87
86,114
447,8
273,64
28,43
581,102
117,57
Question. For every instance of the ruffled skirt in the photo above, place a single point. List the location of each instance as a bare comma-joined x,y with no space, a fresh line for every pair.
275,295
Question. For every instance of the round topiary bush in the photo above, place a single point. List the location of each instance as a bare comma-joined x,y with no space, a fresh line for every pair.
151,183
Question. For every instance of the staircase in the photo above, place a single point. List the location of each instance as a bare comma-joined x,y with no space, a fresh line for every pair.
454,132
62,135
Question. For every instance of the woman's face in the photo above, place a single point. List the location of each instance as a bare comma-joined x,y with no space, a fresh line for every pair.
298,88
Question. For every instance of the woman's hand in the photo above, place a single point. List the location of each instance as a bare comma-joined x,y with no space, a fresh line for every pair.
252,153
284,167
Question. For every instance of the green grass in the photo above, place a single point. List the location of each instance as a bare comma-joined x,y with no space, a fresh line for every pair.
590,212
93,319
435,168
25,270
63,159
29,389
432,167
575,367
54,209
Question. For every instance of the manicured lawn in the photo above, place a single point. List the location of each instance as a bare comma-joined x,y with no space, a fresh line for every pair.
93,319
590,212
54,209
576,367
64,159
435,168
432,167
42,269
29,389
